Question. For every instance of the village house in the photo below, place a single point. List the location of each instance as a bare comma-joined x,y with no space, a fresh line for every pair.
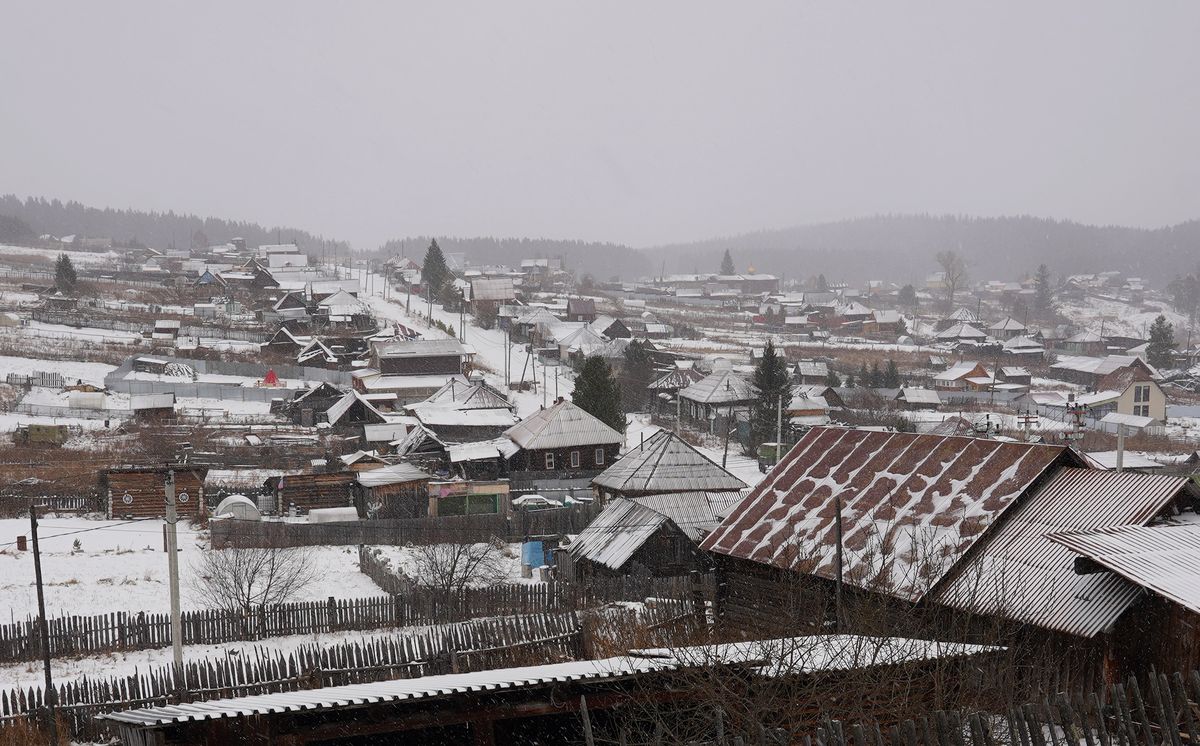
392,491
563,441
666,387
716,396
466,412
961,517
1091,371
663,464
956,377
811,372
140,491
915,399
581,309
487,295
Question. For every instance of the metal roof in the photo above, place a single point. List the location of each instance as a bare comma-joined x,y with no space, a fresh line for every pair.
664,463
617,533
719,387
925,499
420,348
561,426
919,396
499,289
393,474
1129,460
1019,573
695,513
676,379
1162,559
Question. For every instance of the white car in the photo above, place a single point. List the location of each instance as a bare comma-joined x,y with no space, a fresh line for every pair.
535,502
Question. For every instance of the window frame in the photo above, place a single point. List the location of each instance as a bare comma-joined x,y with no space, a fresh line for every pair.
600,455
576,459
548,460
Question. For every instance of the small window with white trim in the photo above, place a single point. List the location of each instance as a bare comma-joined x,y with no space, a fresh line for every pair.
549,460
599,457
574,459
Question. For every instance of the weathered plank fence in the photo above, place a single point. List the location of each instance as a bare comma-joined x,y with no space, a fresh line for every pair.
124,631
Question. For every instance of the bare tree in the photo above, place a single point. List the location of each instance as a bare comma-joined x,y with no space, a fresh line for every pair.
238,580
954,270
450,568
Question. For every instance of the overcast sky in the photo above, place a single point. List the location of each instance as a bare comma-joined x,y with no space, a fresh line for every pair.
641,122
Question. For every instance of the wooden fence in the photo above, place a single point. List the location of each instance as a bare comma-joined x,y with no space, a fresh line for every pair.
469,646
398,532
125,631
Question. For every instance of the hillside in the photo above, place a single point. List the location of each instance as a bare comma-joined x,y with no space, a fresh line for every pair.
601,260
158,229
902,248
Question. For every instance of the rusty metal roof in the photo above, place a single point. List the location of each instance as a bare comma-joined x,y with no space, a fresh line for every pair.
911,505
1020,573
1162,559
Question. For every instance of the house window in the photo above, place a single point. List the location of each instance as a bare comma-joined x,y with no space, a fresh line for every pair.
574,459
1141,393
599,457
1142,410
549,460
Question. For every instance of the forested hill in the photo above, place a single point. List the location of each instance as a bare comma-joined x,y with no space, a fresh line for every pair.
157,229
902,249
601,260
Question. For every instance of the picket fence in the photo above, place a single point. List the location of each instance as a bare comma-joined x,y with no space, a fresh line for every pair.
469,646
125,631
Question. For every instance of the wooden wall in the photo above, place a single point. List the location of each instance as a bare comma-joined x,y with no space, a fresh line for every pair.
146,490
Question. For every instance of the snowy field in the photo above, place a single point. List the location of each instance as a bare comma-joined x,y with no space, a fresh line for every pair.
406,560
1116,317
78,258
92,373
120,566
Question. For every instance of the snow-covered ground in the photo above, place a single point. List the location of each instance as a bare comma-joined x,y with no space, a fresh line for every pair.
92,373
406,560
1118,318
82,334
120,566
78,258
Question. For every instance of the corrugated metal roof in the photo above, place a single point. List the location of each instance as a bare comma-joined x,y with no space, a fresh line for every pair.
680,378
695,513
394,474
912,505
1162,559
483,450
562,426
617,533
664,463
719,387
499,289
420,348
1021,574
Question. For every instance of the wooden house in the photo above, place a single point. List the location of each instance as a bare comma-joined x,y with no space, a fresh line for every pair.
305,492
395,491
975,514
563,440
420,357
956,377
663,464
140,491
581,309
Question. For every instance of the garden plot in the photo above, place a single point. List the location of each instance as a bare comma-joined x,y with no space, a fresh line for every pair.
92,373
121,566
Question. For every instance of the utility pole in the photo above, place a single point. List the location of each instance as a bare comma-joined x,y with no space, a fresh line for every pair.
779,429
173,570
43,630
543,385
728,428
837,526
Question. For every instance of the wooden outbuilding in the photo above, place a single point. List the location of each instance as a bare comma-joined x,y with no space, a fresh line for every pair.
140,491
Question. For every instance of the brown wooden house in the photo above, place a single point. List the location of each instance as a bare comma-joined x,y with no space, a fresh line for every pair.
396,491
564,440
140,491
309,491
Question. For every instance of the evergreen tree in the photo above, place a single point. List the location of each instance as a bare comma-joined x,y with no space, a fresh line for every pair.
434,272
850,382
64,273
831,378
864,376
822,283
772,380
907,296
598,393
727,264
891,376
1162,342
1043,299
876,376
637,372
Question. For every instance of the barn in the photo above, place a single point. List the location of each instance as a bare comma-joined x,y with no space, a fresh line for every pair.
308,491
140,491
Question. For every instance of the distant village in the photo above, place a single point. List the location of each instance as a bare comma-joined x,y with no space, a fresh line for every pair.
506,503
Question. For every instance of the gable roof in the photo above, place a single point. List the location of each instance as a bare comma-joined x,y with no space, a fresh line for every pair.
927,498
961,331
585,306
499,289
1007,324
469,395
664,463
957,371
1149,557
678,378
561,426
719,387
964,314
1020,573
695,513
614,536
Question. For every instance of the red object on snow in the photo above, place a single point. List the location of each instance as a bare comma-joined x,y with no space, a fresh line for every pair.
271,379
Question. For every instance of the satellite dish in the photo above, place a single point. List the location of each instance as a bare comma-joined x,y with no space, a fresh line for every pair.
183,497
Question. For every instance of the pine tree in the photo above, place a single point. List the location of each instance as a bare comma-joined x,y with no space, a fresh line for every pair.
876,376
864,376
598,393
831,378
891,376
435,274
1162,342
727,267
771,381
1043,300
822,283
64,273
907,296
637,372
850,382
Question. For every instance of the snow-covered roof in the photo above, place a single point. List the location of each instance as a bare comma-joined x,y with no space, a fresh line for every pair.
1007,324
1021,342
561,426
920,396
695,513
676,379
614,536
719,387
1129,460
965,314
937,493
961,331
393,474
421,348
482,450
812,369
956,371
498,289
665,463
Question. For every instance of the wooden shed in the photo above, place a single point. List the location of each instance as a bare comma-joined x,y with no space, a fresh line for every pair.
308,491
140,491
396,491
